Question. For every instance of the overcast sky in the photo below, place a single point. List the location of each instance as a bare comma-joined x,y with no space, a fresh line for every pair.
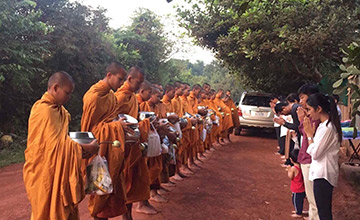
120,12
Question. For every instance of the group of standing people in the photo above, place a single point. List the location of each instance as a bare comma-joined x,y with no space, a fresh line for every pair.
55,165
309,138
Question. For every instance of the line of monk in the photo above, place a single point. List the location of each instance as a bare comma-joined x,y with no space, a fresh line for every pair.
187,122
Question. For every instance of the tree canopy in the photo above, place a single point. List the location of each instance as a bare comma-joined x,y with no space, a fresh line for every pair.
40,37
267,43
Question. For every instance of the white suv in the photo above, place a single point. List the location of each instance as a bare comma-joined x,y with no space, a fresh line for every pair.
254,111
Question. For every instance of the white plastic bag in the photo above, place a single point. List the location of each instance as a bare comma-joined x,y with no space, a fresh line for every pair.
178,129
165,145
203,134
154,144
98,177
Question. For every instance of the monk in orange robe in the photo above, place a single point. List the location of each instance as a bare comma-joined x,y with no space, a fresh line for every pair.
192,135
136,173
99,117
181,161
203,101
216,130
202,144
52,169
169,169
227,115
235,115
197,147
154,163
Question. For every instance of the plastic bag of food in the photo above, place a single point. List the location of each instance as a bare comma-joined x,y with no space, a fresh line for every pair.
98,180
154,144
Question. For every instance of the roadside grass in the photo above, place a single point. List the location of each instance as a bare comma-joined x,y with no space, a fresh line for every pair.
13,153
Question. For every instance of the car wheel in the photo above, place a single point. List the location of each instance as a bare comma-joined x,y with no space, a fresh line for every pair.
238,131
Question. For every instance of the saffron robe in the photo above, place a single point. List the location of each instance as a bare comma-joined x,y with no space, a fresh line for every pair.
52,169
136,173
235,115
99,112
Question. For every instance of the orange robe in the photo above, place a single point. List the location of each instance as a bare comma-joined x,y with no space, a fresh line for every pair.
235,115
193,104
167,104
177,105
136,173
216,129
168,107
189,135
182,147
154,163
227,118
52,169
99,111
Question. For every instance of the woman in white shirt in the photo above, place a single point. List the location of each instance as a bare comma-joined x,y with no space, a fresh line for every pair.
323,148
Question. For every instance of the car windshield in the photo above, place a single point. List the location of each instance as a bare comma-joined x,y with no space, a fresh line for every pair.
262,101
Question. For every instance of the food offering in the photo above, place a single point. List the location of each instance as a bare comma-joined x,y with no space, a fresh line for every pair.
133,124
82,137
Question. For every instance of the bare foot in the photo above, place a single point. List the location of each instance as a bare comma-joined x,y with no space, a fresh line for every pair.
187,171
182,175
296,216
304,212
162,192
169,184
158,198
145,207
176,177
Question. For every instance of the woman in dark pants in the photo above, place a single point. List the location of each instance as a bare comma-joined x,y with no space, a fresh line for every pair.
323,148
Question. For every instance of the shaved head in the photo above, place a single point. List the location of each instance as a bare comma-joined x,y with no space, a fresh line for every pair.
61,78
136,78
169,87
146,85
114,68
155,95
136,72
60,87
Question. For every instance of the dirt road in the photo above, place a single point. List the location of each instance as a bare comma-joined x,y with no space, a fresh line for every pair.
242,180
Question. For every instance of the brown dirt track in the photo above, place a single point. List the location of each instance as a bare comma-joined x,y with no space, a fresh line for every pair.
242,180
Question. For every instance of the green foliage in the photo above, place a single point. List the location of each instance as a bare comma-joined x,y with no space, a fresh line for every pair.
199,73
147,44
349,79
22,48
41,37
267,43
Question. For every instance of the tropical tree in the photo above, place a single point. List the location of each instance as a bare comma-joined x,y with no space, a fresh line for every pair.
147,43
269,42
22,49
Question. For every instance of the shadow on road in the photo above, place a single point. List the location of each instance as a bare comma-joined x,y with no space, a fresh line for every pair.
259,132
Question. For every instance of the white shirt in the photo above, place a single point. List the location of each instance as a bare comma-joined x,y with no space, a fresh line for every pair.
276,124
283,129
324,154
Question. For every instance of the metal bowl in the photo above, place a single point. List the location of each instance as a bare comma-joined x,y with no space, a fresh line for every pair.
131,138
82,137
188,115
201,107
170,114
128,118
144,115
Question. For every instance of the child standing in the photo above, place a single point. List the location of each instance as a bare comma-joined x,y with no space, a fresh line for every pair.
297,184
